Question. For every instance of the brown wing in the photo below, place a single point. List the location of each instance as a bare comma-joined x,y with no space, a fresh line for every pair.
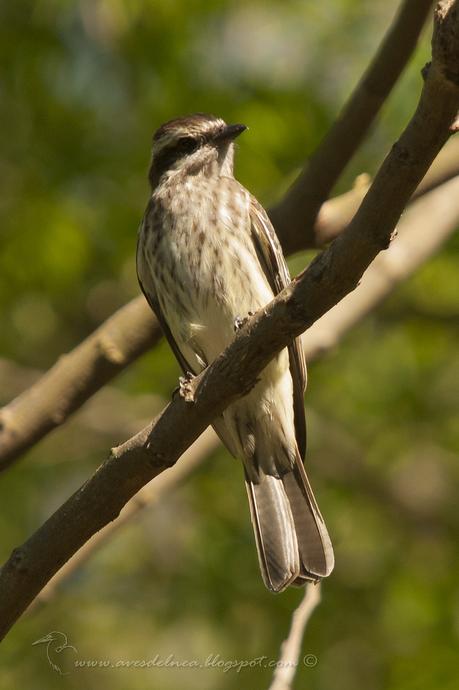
273,263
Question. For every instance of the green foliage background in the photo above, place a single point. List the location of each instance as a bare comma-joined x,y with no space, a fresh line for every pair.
83,86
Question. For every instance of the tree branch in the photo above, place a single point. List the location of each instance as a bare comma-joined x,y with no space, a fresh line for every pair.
126,335
332,274
296,213
291,647
112,413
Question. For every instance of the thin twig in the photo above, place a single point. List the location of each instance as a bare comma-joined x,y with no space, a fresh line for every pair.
291,647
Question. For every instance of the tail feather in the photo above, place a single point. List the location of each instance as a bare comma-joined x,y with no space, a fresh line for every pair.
315,548
292,540
274,533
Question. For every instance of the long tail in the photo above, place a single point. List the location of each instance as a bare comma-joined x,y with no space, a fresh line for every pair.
292,540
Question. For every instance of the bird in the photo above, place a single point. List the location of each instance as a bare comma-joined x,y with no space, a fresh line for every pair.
207,258
56,642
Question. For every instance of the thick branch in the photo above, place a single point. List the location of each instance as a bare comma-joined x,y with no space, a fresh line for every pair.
296,213
333,274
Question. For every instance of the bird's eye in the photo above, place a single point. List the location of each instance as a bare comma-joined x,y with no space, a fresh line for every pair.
187,145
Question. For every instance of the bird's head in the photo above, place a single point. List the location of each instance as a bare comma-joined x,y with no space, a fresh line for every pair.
193,144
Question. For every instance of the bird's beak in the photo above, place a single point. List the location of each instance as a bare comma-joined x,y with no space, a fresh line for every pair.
230,132
46,638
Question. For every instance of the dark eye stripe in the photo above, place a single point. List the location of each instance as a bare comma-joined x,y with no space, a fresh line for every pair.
166,158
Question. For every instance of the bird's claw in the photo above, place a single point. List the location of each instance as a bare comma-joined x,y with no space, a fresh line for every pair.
185,389
240,321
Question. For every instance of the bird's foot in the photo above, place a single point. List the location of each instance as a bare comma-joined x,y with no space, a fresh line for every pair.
185,389
240,321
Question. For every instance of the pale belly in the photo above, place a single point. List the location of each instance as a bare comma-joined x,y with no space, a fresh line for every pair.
204,326
213,288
